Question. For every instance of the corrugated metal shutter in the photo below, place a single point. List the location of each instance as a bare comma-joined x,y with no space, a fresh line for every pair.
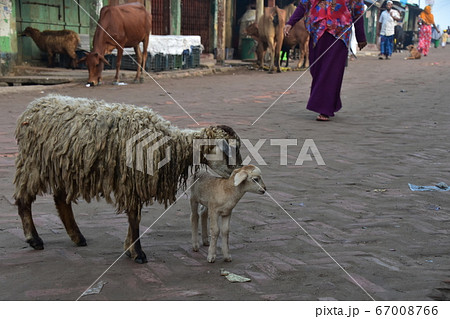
196,20
160,17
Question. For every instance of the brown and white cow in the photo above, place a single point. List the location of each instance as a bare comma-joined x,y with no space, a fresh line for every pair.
268,32
270,36
119,27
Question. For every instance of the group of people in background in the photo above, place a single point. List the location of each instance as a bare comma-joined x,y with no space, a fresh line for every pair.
428,31
438,38
330,38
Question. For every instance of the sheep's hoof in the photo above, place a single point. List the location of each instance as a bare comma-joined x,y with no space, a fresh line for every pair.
228,259
212,258
36,243
141,259
195,247
81,241
278,71
205,242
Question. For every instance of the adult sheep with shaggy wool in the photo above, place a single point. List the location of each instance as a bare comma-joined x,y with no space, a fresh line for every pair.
51,42
80,148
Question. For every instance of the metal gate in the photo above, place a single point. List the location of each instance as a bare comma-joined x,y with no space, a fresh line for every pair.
160,17
196,17
49,15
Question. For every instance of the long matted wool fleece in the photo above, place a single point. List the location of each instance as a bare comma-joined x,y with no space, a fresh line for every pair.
78,146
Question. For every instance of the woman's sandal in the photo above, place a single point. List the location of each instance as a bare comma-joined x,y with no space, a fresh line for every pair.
323,118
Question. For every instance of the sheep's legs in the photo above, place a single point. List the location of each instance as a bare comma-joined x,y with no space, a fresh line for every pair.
29,229
66,214
50,59
194,225
225,236
74,59
214,227
134,250
205,237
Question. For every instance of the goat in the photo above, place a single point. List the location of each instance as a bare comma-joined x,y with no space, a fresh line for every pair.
219,196
61,41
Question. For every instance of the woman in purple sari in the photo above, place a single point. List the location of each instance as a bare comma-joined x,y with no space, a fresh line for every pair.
329,23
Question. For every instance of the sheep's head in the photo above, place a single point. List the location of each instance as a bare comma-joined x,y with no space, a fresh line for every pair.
223,154
28,32
249,177
95,63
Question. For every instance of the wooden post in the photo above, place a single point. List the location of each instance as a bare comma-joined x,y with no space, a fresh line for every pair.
220,54
259,9
229,27
175,17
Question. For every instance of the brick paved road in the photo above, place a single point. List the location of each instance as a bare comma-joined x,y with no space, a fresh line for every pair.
393,130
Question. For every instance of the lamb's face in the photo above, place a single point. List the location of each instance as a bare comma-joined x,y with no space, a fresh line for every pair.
249,177
28,32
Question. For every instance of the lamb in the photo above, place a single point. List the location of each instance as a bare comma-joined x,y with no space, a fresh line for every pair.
219,196
80,148
61,41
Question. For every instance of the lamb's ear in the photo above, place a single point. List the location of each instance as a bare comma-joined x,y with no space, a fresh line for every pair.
240,177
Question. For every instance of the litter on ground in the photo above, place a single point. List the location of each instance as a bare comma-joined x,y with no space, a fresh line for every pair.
442,187
233,277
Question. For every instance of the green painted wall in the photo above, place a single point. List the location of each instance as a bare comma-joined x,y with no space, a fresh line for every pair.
175,17
5,44
8,43
8,36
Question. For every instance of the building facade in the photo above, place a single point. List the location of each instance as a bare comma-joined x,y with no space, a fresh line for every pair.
216,21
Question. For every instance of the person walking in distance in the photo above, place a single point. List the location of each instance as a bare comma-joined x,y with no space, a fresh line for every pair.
444,38
426,20
386,28
329,23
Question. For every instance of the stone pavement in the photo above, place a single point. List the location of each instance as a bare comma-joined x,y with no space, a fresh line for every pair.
33,75
392,242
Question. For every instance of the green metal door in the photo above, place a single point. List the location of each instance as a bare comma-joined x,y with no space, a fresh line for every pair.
49,15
